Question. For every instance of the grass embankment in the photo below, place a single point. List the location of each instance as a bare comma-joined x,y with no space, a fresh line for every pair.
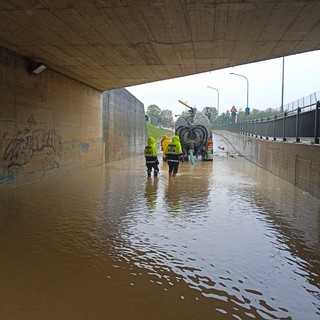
158,133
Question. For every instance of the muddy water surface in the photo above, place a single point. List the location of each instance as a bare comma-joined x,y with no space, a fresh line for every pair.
222,240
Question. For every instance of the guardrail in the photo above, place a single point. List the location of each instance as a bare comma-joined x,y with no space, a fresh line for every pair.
302,122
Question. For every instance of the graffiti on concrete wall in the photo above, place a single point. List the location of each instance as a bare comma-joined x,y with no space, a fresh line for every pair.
38,149
6,178
85,147
34,143
25,144
72,149
29,142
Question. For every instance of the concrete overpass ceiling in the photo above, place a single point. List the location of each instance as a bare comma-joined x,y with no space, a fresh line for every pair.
118,43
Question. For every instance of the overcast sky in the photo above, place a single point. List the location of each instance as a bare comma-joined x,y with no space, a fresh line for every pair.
301,78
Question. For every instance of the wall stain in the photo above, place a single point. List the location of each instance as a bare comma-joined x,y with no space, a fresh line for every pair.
85,147
6,178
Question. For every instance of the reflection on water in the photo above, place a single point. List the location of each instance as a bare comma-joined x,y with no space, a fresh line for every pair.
222,240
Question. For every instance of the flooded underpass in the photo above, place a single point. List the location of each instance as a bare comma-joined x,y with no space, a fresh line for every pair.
221,240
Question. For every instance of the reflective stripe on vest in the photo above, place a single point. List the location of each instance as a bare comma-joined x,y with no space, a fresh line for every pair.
171,149
172,153
151,160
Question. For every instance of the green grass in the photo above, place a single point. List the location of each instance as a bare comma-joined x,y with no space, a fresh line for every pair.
158,133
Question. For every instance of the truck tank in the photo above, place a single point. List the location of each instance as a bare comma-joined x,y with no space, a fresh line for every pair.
194,130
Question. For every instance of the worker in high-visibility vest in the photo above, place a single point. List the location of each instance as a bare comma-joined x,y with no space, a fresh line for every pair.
150,153
173,153
164,143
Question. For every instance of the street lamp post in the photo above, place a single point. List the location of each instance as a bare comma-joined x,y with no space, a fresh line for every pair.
282,91
218,98
240,75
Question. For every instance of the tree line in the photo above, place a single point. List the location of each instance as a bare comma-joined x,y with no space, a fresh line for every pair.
226,117
159,117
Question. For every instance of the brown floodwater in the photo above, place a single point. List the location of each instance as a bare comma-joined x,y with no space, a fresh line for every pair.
221,240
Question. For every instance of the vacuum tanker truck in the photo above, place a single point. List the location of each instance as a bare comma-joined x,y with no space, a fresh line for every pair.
194,130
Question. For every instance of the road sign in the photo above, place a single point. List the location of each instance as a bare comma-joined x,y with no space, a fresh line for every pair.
233,109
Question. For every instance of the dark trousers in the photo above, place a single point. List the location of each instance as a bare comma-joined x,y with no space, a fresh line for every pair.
152,163
153,166
173,167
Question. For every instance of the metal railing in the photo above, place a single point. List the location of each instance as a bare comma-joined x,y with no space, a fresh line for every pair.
302,122
311,99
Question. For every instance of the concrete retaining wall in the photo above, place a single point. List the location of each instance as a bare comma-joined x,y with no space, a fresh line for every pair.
124,125
51,124
296,163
